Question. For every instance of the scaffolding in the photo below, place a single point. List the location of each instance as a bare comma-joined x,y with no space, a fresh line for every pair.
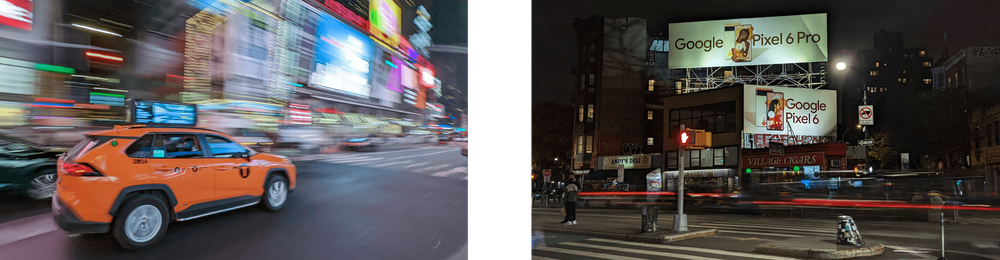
810,75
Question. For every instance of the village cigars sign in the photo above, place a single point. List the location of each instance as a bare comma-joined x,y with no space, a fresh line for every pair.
789,160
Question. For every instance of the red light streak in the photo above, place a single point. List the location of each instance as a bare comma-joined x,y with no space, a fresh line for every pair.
175,76
868,204
627,193
54,100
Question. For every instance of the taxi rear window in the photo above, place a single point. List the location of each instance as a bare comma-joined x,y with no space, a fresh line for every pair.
84,146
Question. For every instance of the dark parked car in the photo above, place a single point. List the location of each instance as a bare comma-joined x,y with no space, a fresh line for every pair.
359,144
27,168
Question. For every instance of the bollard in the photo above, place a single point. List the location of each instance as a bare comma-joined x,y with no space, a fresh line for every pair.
847,232
942,238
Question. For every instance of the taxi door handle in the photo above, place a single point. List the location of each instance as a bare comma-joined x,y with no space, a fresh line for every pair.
221,168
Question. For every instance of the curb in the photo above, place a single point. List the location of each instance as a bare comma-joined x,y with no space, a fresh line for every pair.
819,253
649,239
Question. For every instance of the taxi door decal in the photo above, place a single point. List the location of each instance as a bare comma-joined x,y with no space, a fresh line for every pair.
244,170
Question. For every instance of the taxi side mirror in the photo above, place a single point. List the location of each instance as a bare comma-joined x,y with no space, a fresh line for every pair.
244,155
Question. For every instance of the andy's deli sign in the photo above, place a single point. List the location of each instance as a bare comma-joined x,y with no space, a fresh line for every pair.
790,160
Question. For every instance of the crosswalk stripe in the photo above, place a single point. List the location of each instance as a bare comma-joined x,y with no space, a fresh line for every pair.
394,163
639,251
702,250
753,233
586,254
436,167
768,227
351,160
542,258
449,172
417,165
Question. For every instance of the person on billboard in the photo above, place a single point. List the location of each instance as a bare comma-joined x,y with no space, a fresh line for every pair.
742,49
773,118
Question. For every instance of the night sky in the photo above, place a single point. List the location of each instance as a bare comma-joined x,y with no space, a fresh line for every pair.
851,25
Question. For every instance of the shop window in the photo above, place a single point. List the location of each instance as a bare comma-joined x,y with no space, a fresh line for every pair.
649,141
706,158
590,144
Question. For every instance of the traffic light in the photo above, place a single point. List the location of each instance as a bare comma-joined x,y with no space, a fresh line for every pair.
532,176
855,169
695,139
748,170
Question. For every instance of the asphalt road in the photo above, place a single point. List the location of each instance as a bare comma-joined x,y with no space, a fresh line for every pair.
348,205
741,233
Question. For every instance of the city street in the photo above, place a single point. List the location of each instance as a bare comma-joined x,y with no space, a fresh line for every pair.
740,234
391,204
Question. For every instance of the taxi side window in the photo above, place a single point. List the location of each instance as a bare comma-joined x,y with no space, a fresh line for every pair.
142,148
224,148
177,146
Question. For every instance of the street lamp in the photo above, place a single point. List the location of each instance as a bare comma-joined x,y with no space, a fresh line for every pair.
841,65
557,159
843,136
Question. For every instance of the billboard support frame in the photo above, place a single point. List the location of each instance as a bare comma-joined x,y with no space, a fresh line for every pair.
799,75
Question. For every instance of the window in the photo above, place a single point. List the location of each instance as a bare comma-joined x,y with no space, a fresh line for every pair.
141,148
591,79
579,144
876,64
719,157
651,82
695,158
874,73
927,81
904,71
223,148
593,48
904,80
672,160
590,144
649,141
583,81
927,64
899,79
732,156
992,133
649,115
581,113
590,113
715,118
177,146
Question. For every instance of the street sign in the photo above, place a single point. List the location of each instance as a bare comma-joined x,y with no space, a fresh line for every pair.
866,115
776,149
905,157
866,142
546,174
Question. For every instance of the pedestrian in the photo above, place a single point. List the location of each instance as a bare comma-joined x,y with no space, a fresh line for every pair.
917,197
937,200
572,196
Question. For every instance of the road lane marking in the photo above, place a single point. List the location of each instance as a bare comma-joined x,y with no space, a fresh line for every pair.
416,165
695,249
751,233
436,167
426,154
639,251
20,229
542,258
586,254
450,172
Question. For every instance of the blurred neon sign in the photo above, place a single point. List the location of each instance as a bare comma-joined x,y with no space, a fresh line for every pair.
16,13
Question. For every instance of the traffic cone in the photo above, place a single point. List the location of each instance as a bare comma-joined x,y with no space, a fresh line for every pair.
847,232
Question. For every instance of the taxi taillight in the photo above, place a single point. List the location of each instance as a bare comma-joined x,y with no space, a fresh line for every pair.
78,169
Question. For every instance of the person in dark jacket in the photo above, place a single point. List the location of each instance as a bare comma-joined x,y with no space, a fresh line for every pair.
572,196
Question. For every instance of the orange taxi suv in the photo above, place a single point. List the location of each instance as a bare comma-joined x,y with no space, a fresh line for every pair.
134,180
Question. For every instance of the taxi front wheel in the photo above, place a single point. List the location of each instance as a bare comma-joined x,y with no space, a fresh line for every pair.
141,223
276,193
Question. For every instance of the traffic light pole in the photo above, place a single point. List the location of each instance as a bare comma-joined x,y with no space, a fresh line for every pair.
680,220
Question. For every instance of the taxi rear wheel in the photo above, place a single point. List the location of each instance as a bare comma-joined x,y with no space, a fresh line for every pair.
275,193
141,222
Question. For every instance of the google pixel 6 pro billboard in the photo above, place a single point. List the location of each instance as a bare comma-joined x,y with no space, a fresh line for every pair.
750,41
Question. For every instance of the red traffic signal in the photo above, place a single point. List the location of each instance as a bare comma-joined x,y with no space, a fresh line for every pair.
687,137
855,169
532,176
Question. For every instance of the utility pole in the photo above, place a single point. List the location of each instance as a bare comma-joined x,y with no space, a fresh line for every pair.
680,221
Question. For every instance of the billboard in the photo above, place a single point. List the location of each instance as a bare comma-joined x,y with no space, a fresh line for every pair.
16,13
343,58
385,21
789,112
750,41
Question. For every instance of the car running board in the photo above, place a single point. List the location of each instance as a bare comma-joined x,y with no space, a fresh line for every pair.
219,211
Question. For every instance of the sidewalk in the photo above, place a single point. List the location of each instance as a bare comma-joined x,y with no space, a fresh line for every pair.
619,231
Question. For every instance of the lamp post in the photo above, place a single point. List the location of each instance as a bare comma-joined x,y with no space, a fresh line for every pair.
841,66
843,136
